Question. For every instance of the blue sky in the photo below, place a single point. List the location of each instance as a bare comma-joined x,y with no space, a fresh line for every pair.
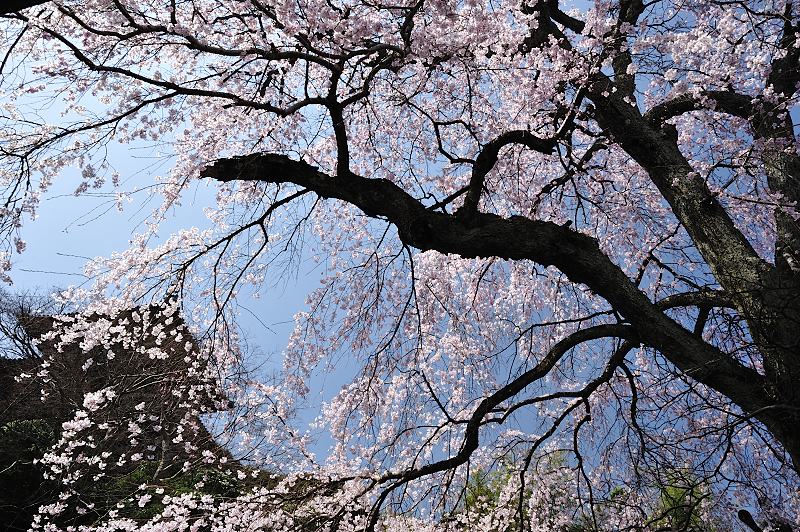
70,229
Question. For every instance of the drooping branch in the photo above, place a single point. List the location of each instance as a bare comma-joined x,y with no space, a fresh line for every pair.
185,90
476,421
519,238
704,300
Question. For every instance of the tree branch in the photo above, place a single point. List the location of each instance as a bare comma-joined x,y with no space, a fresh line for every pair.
472,431
731,257
488,158
711,298
729,102
517,238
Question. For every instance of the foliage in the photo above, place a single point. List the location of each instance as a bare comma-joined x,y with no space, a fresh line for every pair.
484,489
22,485
677,506
143,481
680,501
542,229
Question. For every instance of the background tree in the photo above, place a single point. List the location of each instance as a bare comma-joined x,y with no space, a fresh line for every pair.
542,228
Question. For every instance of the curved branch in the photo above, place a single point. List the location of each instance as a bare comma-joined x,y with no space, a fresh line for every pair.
729,102
487,158
577,255
471,433
704,298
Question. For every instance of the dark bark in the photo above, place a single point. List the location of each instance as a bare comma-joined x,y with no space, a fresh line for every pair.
546,243
488,157
766,295
12,6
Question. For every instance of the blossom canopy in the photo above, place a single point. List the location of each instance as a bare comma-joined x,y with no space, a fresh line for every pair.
559,242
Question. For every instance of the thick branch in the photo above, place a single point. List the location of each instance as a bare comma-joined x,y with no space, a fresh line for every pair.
729,102
706,298
731,257
517,238
562,18
781,166
629,13
785,74
488,158
769,300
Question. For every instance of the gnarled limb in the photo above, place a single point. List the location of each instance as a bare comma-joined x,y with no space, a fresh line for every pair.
519,238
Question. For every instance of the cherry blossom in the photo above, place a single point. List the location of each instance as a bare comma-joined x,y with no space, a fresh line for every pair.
557,245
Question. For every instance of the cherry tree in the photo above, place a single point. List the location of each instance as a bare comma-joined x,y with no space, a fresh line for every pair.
559,240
